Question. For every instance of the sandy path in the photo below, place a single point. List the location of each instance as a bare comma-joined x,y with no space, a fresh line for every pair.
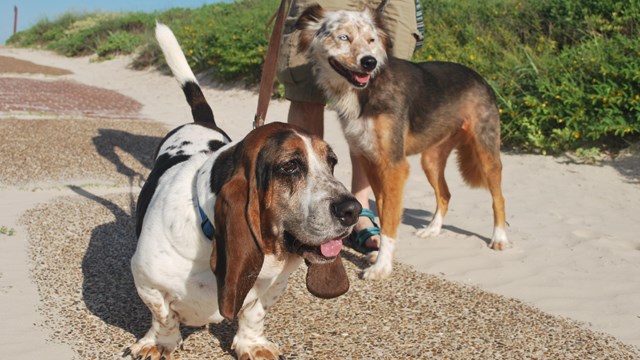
575,227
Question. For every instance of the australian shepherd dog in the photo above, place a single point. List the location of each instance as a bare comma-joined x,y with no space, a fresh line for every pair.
391,108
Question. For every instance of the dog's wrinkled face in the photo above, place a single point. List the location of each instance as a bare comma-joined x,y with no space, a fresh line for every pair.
306,204
343,45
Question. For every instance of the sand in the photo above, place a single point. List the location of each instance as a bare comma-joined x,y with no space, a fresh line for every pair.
568,288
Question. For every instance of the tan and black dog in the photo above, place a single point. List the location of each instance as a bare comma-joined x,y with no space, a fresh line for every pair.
391,108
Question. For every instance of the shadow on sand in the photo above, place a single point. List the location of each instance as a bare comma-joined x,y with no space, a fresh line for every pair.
108,288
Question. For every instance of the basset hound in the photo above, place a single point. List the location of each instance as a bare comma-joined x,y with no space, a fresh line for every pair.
221,224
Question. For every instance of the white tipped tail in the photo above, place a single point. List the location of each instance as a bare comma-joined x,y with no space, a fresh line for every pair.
173,55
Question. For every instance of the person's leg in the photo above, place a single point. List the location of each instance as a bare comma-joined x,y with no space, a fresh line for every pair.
362,191
307,115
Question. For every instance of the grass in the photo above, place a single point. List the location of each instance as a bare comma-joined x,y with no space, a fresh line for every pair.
566,72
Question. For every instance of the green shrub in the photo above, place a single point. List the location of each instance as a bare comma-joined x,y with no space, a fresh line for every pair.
229,40
588,94
566,72
119,42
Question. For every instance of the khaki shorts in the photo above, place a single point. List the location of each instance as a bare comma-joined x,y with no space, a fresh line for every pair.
295,72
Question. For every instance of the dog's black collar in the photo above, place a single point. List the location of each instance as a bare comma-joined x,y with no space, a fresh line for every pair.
205,223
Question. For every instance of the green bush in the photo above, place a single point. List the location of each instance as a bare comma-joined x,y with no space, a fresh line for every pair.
101,31
566,72
588,94
119,42
229,40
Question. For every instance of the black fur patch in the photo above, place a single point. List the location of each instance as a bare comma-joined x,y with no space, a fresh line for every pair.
155,154
214,145
200,109
164,163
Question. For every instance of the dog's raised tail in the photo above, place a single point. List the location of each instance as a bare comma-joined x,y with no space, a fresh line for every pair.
179,66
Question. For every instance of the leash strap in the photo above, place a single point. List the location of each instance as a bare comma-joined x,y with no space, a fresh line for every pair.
270,62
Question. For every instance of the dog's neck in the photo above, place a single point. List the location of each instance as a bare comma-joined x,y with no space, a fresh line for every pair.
349,102
344,97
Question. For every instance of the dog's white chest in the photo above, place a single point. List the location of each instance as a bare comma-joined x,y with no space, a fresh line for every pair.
360,134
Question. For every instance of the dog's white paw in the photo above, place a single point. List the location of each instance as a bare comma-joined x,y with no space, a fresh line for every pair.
263,350
499,240
145,349
378,271
429,231
433,229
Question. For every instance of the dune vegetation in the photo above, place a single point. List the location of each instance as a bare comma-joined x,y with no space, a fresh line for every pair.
566,72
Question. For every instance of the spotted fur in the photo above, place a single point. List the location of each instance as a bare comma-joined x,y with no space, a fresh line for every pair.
391,108
273,201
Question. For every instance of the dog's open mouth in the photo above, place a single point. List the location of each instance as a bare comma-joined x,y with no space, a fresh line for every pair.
358,79
326,252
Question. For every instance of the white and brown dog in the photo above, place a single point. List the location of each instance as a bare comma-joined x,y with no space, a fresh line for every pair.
391,108
222,224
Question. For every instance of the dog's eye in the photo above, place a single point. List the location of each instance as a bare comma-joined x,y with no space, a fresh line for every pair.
372,40
343,37
290,167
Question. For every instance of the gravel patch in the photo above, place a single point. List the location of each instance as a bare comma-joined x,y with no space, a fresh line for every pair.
80,249
64,97
54,152
9,65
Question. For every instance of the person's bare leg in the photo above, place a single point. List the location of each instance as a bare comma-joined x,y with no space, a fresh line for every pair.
310,116
307,115
362,190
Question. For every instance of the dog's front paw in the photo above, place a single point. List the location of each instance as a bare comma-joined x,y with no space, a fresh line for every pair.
428,232
148,351
433,229
499,240
378,271
261,351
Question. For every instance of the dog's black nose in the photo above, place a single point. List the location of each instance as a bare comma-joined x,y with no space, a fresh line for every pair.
346,210
368,63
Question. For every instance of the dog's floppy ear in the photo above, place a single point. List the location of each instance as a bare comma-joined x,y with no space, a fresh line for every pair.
309,23
327,281
238,252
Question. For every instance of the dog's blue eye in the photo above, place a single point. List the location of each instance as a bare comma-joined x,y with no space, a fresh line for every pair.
343,37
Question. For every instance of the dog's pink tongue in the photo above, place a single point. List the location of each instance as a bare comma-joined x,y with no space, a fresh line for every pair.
331,248
362,78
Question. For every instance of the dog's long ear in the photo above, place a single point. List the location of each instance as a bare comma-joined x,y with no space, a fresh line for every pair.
238,253
309,23
327,281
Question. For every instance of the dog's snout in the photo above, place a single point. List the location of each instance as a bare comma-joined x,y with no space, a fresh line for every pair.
368,62
346,210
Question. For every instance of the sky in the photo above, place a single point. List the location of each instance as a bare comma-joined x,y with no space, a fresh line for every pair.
31,11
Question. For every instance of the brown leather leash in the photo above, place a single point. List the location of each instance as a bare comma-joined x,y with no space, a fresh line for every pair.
270,63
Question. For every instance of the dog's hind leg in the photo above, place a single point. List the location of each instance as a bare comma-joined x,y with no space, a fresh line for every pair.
434,161
164,335
492,169
479,160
